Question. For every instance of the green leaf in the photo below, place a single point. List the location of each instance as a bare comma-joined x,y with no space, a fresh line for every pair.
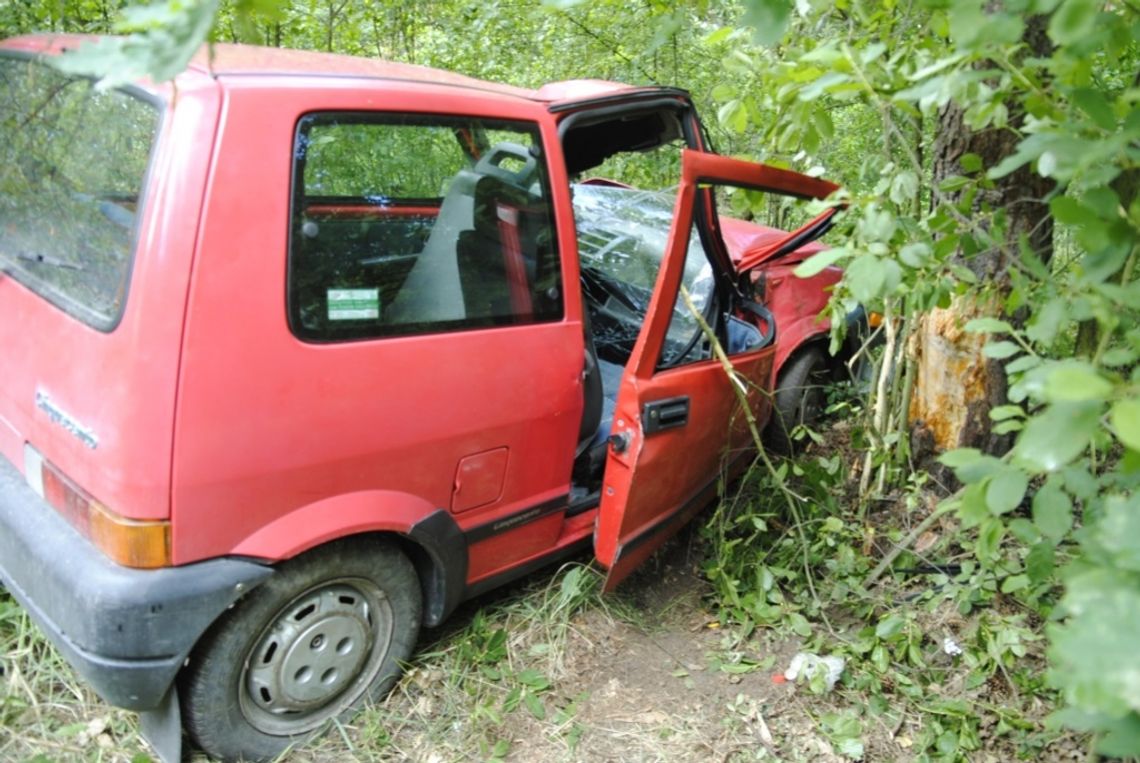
534,704
1093,652
915,255
163,37
867,277
1052,511
1014,583
1121,737
534,679
799,624
720,35
768,19
1055,437
988,326
904,186
1000,350
990,535
817,262
970,162
1024,530
1074,381
959,457
1003,412
733,115
1040,563
851,748
1068,210
972,509
954,183
1119,356
1096,106
1103,201
889,627
1005,490
1024,363
1119,531
1048,321
1125,420
1074,20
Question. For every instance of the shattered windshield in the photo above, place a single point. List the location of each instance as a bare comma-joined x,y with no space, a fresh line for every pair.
622,233
72,164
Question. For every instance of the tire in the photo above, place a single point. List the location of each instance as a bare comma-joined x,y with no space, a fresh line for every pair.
800,398
323,636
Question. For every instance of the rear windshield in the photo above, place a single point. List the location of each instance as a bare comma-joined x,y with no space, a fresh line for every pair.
72,164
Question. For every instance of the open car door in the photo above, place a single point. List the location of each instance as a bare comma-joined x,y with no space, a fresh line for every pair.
676,429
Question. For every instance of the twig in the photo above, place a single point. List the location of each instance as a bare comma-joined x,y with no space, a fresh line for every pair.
879,418
910,538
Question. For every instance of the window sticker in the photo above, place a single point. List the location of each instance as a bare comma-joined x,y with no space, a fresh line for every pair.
353,304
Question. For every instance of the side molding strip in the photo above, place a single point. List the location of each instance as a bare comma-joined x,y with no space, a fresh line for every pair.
504,524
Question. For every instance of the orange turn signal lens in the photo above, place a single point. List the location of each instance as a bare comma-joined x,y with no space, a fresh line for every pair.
129,542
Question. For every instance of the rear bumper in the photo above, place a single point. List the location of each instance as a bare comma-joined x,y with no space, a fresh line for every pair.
125,631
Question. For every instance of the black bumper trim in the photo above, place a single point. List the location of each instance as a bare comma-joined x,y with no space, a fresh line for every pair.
125,631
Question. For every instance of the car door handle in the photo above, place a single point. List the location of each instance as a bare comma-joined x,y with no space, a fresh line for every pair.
669,413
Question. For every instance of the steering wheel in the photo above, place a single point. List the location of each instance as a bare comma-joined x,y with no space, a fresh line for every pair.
595,282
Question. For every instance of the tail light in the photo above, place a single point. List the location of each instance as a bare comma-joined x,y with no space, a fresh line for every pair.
129,542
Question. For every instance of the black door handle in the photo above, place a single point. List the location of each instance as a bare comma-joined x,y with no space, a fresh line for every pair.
669,413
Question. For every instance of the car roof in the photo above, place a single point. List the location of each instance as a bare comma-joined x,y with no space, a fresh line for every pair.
222,60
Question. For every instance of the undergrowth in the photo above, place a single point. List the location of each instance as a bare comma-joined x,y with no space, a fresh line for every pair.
946,653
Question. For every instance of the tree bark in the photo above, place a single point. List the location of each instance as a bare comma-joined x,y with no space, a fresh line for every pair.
956,386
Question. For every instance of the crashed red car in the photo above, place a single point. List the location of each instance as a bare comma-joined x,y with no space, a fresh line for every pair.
300,351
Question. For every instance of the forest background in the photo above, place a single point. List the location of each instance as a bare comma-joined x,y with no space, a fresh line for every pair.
984,482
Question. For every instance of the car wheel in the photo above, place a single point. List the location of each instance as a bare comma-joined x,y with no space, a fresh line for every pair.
325,634
800,398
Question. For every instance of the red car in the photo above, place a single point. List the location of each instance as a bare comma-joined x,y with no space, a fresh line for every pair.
300,351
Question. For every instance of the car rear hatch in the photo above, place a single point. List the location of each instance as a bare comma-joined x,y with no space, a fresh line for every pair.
95,258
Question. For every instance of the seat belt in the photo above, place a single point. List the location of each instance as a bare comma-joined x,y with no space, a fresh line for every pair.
515,266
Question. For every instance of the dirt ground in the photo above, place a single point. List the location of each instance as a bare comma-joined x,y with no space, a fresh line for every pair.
654,689
658,680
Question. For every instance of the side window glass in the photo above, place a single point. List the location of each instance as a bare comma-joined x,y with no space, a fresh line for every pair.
406,224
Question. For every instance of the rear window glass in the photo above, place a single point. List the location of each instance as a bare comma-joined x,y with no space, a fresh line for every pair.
72,164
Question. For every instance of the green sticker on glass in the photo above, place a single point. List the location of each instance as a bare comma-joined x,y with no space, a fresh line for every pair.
353,304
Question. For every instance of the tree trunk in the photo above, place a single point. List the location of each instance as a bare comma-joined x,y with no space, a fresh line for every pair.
956,386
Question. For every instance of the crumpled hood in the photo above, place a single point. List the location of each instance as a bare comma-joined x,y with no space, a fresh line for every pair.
743,238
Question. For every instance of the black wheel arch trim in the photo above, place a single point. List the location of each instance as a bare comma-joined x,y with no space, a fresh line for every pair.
442,567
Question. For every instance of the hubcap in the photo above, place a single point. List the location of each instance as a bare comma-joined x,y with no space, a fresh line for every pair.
316,657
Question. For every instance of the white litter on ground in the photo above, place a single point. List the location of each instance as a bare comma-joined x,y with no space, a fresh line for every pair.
807,665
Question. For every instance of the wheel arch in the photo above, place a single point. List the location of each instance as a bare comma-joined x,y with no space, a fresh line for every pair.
427,535
802,334
810,332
